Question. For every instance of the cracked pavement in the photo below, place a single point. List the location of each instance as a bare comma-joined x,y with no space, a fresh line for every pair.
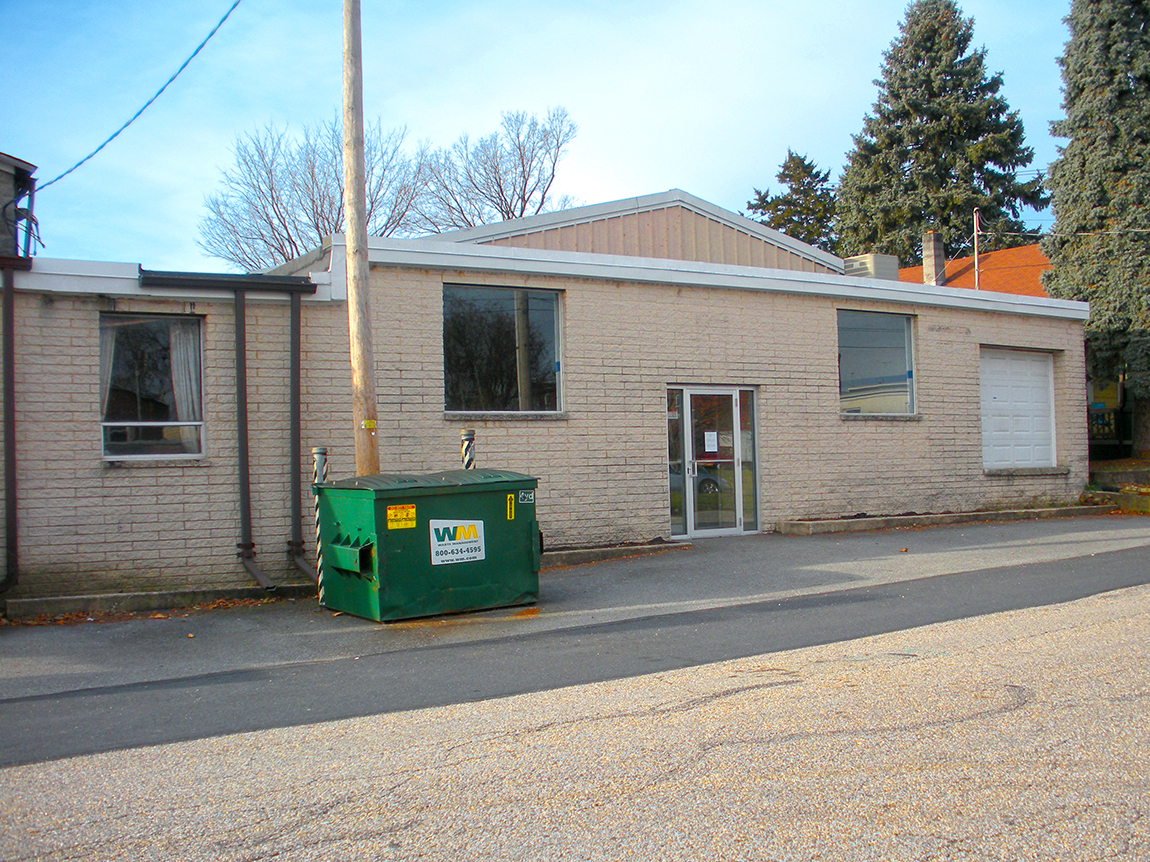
1017,735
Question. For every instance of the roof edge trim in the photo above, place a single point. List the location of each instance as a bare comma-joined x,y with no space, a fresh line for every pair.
226,281
504,259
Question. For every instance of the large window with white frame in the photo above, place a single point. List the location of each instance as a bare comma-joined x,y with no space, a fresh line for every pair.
151,390
876,363
500,349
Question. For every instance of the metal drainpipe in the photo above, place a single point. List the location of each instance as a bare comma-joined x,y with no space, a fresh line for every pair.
295,543
246,546
8,315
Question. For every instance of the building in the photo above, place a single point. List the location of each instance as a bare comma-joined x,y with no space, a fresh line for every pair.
16,187
666,368
1010,270
1019,271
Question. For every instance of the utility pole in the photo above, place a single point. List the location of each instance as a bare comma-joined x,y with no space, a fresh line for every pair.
355,223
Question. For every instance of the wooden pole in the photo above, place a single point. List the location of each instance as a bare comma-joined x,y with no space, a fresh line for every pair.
355,219
523,350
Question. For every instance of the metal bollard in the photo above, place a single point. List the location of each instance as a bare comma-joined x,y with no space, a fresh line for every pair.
318,475
467,448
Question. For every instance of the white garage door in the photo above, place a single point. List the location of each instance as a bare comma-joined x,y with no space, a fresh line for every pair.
1017,408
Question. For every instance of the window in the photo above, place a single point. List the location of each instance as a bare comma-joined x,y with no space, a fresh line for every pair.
876,366
500,349
150,386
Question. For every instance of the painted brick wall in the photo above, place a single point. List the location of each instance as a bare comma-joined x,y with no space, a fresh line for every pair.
89,526
602,464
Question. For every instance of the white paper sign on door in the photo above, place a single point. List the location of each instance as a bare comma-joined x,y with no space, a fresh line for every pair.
711,441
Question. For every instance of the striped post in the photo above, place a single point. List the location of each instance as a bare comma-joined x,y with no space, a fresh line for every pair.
318,475
467,448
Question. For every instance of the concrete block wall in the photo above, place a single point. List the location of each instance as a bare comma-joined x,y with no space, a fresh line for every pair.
602,461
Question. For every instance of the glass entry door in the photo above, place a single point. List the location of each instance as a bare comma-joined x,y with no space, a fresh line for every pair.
711,461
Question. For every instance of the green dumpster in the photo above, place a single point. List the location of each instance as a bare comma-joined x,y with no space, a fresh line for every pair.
397,546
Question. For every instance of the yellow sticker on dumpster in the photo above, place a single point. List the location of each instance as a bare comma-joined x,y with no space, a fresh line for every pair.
401,517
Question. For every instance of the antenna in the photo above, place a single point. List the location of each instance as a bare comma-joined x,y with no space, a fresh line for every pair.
977,228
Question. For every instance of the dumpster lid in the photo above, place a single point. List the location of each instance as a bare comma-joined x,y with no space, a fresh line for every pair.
385,482
480,477
447,479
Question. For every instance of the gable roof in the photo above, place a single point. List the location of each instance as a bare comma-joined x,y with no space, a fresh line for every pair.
1011,270
672,224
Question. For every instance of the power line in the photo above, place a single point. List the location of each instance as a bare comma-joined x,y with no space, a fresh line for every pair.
147,103
1071,234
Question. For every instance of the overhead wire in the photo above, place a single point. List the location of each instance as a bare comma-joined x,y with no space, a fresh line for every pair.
147,103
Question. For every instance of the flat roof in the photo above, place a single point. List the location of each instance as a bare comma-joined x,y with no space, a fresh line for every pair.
505,259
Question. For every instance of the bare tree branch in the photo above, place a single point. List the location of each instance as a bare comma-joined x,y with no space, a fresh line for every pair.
283,196
506,175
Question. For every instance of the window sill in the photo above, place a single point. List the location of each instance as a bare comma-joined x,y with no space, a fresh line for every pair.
1026,471
881,417
499,416
137,463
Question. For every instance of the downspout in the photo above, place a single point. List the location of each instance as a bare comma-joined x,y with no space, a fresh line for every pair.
295,543
246,546
8,349
240,285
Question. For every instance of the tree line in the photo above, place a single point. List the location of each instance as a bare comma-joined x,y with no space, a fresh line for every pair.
941,141
285,194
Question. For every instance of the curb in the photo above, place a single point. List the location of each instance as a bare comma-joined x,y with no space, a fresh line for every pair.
859,525
170,599
579,556
22,609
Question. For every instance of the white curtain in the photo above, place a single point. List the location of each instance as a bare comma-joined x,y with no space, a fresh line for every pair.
107,357
186,379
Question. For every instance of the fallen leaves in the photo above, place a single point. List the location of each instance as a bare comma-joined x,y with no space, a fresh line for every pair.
78,617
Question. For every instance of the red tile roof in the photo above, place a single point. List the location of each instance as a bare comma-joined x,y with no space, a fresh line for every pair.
1012,270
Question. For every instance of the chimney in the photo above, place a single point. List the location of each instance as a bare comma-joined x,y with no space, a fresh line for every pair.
933,259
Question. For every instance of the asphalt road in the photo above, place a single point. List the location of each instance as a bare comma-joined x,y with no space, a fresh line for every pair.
67,691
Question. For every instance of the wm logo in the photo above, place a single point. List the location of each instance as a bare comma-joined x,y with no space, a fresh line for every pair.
456,542
456,533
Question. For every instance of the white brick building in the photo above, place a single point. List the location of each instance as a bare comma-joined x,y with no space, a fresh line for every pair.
687,373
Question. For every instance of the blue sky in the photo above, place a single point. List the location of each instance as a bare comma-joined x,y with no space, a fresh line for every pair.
703,96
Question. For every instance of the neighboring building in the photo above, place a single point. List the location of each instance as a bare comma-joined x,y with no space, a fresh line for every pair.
1011,270
666,368
1019,271
15,186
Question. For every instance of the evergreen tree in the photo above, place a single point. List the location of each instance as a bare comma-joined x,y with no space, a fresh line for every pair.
941,141
1100,243
806,209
